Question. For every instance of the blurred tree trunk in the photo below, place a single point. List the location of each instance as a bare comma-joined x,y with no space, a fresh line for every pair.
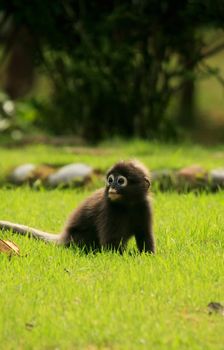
187,102
18,71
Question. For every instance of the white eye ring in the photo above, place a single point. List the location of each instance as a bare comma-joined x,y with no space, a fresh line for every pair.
122,181
110,179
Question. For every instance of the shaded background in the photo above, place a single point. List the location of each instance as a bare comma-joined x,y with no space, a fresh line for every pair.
83,71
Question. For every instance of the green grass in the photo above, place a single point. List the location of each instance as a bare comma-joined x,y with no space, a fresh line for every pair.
155,155
55,298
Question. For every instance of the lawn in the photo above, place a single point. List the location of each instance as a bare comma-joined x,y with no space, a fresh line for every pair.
155,155
55,298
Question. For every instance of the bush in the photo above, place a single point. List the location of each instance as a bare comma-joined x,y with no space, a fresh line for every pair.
115,66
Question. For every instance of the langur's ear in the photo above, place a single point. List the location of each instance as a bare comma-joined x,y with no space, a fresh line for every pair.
147,181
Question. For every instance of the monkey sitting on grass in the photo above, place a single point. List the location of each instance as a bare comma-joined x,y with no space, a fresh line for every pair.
109,217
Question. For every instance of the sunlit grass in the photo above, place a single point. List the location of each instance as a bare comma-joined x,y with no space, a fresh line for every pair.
155,155
55,298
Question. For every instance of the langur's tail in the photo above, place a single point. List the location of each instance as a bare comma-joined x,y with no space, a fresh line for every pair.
31,232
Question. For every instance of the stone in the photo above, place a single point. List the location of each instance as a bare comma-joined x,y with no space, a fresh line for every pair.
42,172
217,177
192,172
216,307
22,173
162,179
76,173
193,176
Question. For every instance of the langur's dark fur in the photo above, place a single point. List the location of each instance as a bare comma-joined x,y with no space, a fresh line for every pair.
105,219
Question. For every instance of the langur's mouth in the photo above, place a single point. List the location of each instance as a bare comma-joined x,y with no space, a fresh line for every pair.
113,195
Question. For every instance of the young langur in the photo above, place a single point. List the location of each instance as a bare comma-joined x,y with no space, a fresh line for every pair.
110,216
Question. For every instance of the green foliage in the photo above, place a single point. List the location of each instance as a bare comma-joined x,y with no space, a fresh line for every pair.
115,65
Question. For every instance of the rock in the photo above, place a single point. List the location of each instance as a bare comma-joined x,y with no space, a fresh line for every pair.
163,179
191,177
42,172
22,173
72,173
39,176
215,307
217,178
192,172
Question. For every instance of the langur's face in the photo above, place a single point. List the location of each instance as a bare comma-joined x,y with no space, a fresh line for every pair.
125,182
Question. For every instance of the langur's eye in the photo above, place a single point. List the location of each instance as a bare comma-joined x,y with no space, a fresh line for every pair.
122,181
110,179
